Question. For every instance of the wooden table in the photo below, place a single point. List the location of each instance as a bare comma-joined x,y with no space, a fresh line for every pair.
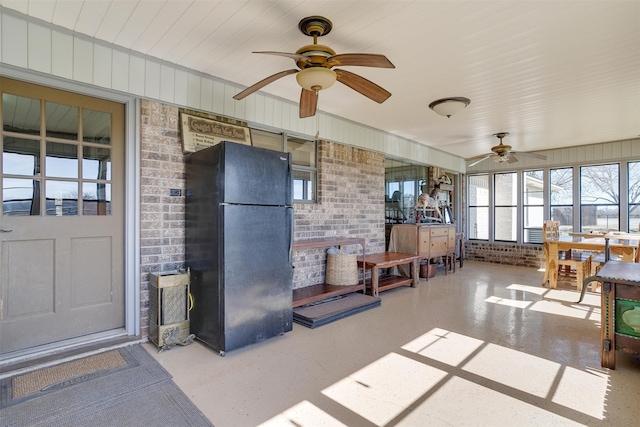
387,260
625,247
620,294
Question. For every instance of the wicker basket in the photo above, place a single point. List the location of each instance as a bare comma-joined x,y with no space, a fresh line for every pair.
342,269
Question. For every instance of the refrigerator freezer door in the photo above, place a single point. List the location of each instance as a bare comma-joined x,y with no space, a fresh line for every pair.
255,176
256,273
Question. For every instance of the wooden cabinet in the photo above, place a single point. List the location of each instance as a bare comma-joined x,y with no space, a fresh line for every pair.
428,241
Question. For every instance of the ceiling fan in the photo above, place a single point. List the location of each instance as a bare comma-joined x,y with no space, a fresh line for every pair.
502,153
315,63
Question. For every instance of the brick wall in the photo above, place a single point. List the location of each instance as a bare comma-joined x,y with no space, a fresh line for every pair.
161,215
504,253
350,204
350,195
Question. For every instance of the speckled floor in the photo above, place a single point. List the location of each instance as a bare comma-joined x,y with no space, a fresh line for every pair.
484,346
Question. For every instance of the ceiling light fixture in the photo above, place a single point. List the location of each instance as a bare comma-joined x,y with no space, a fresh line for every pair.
449,106
316,78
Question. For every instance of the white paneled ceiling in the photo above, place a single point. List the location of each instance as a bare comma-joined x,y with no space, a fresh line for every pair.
551,73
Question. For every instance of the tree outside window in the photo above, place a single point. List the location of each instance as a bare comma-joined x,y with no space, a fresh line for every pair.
599,198
634,197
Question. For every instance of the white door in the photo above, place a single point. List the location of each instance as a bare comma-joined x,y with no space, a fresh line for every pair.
62,222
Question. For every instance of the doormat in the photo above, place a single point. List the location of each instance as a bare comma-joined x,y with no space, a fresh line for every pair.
126,386
332,309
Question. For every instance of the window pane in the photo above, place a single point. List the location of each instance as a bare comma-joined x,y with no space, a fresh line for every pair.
21,156
96,126
20,197
599,185
62,121
634,197
62,160
564,214
20,114
478,199
599,218
599,188
561,185
268,140
533,188
533,216
505,223
96,199
393,191
505,189
303,185
96,163
62,198
303,152
478,223
408,196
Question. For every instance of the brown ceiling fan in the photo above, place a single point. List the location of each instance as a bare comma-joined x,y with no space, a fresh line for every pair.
316,62
502,153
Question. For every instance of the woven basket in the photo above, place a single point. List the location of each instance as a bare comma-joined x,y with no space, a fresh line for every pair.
342,269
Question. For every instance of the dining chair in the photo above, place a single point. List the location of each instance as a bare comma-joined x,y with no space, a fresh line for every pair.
573,266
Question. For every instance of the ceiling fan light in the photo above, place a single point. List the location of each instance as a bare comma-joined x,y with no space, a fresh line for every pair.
316,78
449,106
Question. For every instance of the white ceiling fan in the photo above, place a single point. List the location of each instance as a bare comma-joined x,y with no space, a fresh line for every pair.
502,153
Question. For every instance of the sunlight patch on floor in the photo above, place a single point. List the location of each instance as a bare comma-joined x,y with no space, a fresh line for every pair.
382,390
592,384
577,312
304,414
508,302
444,346
463,402
538,290
515,369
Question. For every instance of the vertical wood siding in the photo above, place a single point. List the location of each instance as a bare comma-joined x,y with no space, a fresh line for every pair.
33,45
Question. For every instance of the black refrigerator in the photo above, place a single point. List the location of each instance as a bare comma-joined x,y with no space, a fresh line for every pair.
239,234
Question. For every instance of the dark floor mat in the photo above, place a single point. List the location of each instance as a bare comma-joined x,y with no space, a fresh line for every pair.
323,312
133,389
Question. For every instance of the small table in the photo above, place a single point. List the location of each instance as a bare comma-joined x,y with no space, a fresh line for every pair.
620,295
387,260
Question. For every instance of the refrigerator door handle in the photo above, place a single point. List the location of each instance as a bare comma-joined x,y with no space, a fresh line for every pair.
290,214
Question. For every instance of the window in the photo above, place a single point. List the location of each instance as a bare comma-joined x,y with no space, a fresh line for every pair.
533,205
505,210
634,197
478,195
303,160
599,198
561,198
74,174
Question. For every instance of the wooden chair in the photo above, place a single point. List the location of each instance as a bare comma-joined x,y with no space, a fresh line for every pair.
573,266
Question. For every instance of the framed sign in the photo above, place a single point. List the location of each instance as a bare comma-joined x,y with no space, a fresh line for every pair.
199,133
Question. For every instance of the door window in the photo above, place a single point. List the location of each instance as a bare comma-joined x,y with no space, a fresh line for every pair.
62,162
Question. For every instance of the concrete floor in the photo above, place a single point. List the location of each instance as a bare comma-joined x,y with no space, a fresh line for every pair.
484,346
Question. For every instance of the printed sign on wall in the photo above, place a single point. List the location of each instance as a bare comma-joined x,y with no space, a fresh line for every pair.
199,133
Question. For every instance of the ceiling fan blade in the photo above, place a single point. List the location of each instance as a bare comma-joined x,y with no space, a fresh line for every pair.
511,158
308,103
263,83
362,59
527,154
295,56
479,159
363,86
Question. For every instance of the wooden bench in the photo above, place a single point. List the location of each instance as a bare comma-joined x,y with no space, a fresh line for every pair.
384,260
